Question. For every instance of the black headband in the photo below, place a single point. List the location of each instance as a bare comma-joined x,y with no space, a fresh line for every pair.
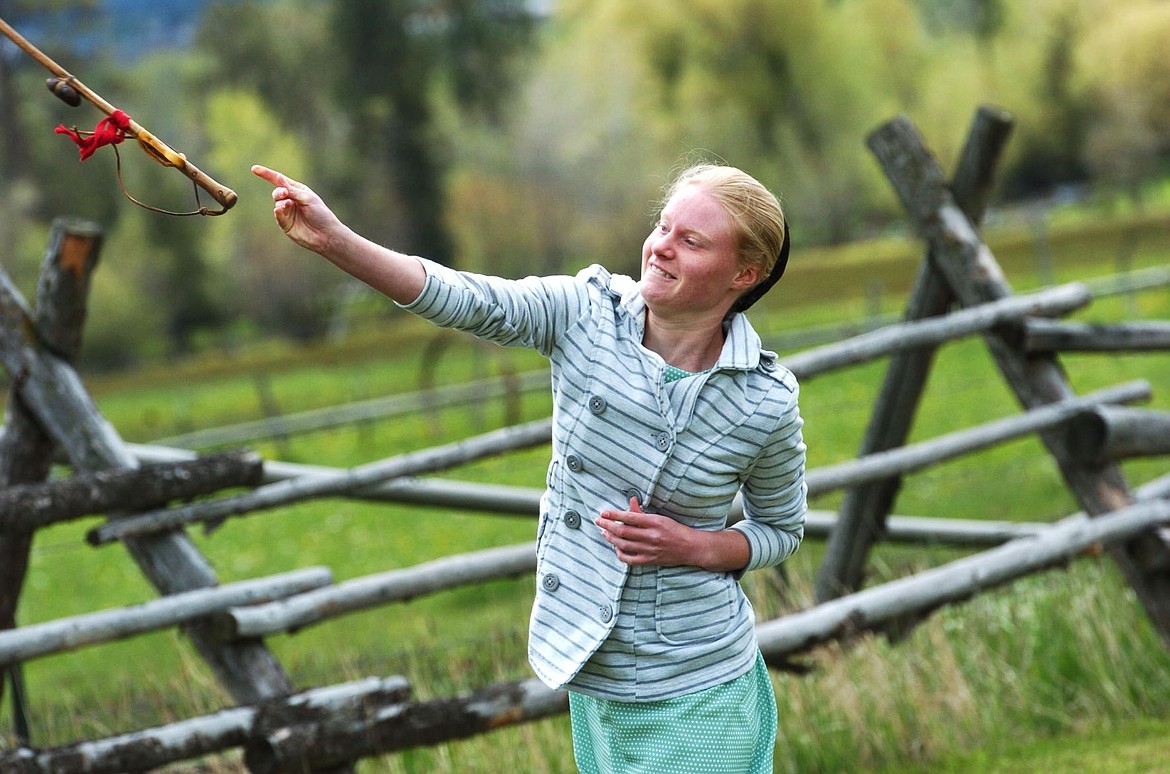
754,294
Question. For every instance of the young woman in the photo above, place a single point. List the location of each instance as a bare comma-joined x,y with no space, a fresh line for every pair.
665,407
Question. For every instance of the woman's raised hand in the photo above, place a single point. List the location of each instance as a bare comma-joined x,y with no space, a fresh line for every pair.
300,213
305,218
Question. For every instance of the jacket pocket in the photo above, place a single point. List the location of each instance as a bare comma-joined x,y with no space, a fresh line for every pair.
693,605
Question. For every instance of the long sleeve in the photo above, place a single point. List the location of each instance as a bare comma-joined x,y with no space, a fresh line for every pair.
775,493
530,312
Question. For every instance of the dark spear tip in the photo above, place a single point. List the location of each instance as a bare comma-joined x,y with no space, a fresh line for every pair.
64,91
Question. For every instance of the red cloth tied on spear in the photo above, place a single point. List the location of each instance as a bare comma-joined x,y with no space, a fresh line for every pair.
109,131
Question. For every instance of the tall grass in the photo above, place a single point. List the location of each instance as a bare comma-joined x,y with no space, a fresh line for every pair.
1051,655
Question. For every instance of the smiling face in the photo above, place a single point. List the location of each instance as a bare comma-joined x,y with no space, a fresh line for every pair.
690,262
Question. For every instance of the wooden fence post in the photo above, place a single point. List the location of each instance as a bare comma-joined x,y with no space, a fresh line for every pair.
864,508
1037,379
54,393
26,450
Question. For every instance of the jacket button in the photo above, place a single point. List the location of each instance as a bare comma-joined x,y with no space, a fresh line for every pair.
597,404
550,582
768,364
574,463
631,492
662,441
572,519
605,613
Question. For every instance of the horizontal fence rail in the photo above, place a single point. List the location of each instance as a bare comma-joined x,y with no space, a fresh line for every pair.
904,336
820,481
360,411
313,486
91,628
525,502
1059,336
893,606
196,737
913,457
31,506
297,612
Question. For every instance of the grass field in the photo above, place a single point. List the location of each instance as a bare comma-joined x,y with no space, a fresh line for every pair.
1060,672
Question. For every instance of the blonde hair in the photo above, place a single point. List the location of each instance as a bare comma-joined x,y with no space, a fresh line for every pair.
759,220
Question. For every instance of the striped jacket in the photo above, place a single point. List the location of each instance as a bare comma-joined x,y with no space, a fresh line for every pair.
683,448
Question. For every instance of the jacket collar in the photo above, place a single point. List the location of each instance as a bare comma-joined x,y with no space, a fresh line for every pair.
741,345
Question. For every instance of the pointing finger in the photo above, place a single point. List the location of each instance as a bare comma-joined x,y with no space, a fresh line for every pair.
264,173
278,179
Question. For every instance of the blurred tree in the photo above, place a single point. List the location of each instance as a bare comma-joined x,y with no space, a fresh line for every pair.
1037,68
763,85
265,281
282,51
15,148
258,83
393,54
1124,72
181,280
35,183
980,18
178,276
404,114
572,177
121,330
13,143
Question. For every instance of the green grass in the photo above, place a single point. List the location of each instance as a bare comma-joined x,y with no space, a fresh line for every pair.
1059,663
1127,747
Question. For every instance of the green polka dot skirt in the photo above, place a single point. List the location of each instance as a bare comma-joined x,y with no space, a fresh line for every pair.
727,729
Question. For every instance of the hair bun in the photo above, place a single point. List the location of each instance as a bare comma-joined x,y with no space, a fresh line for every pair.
756,293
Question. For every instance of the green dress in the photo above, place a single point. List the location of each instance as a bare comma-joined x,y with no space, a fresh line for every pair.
727,729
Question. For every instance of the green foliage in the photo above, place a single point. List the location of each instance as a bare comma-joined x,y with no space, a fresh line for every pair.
474,133
763,85
1124,71
270,284
980,18
391,55
279,50
120,329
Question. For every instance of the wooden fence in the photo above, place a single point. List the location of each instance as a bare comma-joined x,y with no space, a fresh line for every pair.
960,292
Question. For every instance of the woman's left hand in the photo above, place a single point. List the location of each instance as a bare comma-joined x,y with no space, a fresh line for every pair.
654,539
646,538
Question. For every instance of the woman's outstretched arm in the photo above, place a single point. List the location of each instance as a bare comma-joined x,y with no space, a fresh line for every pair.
305,218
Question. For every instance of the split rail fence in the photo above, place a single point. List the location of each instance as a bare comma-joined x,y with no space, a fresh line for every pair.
960,291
